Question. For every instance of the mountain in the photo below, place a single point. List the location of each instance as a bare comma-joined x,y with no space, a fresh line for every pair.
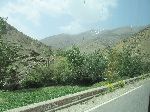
66,40
32,51
27,44
139,42
90,40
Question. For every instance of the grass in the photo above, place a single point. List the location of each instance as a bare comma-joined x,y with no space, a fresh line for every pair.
13,99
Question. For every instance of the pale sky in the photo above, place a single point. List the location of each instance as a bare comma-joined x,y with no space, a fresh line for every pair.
43,18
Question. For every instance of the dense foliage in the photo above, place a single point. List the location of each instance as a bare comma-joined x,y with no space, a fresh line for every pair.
70,67
8,56
86,69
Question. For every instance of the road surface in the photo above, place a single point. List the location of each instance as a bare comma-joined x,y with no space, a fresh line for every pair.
131,98
135,100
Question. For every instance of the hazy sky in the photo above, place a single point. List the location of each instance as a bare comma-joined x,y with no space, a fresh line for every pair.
43,18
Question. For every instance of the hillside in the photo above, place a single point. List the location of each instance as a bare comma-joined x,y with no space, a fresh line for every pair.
66,40
27,44
91,40
32,52
139,42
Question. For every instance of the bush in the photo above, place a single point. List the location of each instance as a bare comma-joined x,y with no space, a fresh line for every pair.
86,68
38,77
62,71
12,79
74,57
146,67
123,64
94,67
113,59
111,87
121,84
129,64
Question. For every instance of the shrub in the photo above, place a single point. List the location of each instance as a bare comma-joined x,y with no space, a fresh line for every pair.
113,59
62,71
121,84
111,88
60,52
74,57
94,66
129,64
39,76
146,67
86,68
123,64
12,79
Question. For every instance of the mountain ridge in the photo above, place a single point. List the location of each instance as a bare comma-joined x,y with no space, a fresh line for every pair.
92,39
27,43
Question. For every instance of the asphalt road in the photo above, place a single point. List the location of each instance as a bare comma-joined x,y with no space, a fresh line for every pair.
135,100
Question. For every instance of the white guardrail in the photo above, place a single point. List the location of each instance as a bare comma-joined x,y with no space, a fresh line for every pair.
71,99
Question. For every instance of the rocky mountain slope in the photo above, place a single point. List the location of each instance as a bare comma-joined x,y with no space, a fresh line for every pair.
139,43
91,40
26,43
31,53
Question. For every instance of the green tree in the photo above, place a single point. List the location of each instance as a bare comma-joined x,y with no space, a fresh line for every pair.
125,63
86,68
113,59
130,64
3,63
75,57
39,76
8,55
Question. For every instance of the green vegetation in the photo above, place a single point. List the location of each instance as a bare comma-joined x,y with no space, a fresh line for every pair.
38,77
16,57
29,65
8,56
13,99
124,64
18,98
86,69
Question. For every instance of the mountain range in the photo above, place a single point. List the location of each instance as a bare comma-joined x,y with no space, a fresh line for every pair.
91,40
87,41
